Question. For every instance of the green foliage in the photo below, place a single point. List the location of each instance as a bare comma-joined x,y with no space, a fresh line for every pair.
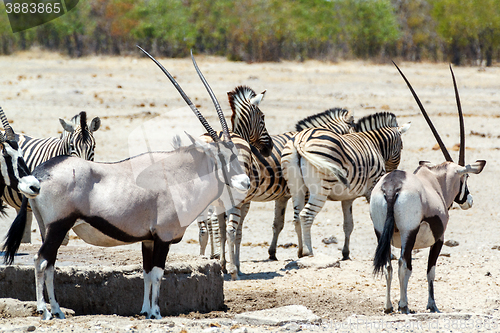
270,30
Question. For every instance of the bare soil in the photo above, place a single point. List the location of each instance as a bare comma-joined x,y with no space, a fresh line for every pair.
39,87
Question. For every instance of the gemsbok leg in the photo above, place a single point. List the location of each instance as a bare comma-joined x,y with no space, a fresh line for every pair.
154,255
44,264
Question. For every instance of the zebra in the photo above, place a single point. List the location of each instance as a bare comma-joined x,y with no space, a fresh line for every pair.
248,133
77,139
336,167
268,184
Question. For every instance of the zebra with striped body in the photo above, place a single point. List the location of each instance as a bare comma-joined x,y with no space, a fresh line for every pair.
248,130
77,139
268,184
336,167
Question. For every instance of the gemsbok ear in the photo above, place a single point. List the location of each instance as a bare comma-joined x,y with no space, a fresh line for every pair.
426,163
257,99
68,127
404,128
475,167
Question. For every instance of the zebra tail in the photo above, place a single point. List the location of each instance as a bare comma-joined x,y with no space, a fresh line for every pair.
327,167
15,234
383,251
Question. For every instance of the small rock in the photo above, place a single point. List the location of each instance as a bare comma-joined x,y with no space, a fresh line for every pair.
240,330
292,327
496,247
451,243
444,255
330,240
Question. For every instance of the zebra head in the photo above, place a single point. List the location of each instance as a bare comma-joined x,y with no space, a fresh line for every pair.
248,120
13,168
79,136
384,127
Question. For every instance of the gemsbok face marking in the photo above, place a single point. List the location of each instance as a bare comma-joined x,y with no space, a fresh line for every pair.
410,210
77,139
15,172
151,198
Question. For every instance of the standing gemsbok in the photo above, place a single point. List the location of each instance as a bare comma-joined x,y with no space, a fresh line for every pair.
150,198
411,210
329,166
77,139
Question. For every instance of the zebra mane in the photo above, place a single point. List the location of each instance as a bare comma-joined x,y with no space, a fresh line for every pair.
376,121
322,119
81,119
239,98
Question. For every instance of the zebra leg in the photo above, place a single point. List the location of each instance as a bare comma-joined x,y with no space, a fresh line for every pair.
214,232
27,229
237,244
278,224
405,268
431,272
307,215
221,218
203,232
234,220
348,226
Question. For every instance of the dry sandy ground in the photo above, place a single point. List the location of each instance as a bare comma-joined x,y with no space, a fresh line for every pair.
37,88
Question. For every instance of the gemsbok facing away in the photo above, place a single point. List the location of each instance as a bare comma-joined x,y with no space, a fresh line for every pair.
411,209
150,198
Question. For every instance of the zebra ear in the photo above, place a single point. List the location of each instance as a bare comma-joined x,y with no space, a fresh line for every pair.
403,129
68,126
95,124
257,99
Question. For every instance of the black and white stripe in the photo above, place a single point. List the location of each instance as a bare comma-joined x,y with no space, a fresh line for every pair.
268,184
325,165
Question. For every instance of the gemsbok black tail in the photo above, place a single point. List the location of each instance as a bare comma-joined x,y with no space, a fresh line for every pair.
383,251
15,234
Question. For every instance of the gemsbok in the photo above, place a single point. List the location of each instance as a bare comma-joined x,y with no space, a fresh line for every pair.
150,198
411,210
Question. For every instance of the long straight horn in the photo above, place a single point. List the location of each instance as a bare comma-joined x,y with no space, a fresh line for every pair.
429,122
202,119
223,123
9,132
461,153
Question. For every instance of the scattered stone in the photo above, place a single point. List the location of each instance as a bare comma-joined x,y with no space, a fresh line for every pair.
318,261
292,327
278,316
451,243
445,255
330,240
496,247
